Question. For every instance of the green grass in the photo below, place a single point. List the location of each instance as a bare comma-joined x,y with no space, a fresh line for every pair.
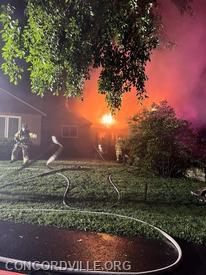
169,204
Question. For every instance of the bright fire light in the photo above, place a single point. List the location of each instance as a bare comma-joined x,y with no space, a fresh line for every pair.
107,119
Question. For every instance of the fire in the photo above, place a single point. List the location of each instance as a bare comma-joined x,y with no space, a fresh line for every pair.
107,119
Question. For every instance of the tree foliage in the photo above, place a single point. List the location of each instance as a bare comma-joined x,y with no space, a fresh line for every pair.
61,40
160,142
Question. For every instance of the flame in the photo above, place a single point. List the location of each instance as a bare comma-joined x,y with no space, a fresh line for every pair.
107,119
176,74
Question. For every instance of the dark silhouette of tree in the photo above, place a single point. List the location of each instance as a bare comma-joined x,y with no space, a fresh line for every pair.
62,40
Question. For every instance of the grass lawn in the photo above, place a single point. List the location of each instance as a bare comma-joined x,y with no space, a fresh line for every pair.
169,204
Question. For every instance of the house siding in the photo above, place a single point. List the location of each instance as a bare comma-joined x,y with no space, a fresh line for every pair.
33,122
78,143
74,147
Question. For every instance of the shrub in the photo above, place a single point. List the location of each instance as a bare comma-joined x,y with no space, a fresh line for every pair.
160,142
6,146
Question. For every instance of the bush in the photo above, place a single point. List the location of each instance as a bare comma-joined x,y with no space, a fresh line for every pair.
6,146
160,142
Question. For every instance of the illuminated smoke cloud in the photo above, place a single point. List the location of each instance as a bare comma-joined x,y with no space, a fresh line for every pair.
177,75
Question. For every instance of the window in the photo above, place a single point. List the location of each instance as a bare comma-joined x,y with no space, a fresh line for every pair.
9,125
69,131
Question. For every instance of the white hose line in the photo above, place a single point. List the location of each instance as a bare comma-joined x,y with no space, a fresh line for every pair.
17,167
68,186
114,186
57,153
49,161
76,271
73,271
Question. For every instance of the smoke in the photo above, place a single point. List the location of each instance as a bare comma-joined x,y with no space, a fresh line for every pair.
177,74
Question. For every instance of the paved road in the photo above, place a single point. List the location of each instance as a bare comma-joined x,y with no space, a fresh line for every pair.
82,250
194,260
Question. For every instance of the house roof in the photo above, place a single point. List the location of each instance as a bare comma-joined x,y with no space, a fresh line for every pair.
17,105
58,111
70,117
55,108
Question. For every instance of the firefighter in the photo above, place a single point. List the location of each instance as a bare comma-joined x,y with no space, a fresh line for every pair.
118,150
22,142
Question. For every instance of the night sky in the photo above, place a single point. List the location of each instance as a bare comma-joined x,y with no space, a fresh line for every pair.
177,75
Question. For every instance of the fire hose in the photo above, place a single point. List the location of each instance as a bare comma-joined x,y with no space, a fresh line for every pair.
95,213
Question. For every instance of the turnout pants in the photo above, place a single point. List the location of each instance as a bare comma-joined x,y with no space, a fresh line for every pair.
118,155
25,152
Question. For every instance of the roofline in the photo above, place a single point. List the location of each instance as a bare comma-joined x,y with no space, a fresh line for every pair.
22,101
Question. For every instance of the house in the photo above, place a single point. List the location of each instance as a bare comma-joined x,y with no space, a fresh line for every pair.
72,130
106,136
14,111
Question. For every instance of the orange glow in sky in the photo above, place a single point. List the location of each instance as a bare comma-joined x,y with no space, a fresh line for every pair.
94,107
175,74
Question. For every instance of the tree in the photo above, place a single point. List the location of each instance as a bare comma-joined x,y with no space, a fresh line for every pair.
62,40
160,142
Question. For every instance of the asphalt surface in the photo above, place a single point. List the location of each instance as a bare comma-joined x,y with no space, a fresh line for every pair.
193,261
40,243
82,250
